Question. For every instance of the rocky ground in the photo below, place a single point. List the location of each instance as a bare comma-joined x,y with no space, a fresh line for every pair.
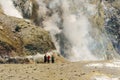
59,71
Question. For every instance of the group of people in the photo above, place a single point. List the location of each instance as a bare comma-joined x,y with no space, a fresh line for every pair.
49,58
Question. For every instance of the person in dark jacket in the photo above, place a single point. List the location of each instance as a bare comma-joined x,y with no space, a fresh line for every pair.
45,58
53,59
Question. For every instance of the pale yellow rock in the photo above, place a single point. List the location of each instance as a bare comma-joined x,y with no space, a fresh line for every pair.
1,27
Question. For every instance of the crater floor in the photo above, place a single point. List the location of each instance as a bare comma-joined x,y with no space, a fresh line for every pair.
100,70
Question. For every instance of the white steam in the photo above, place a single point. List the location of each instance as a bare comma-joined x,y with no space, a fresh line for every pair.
77,31
9,8
76,27
50,25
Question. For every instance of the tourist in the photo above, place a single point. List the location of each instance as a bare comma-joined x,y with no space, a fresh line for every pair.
52,59
48,59
45,58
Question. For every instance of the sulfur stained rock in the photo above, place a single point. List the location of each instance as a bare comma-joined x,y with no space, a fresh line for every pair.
23,37
1,27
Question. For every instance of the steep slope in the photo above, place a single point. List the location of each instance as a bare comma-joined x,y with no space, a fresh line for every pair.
112,20
84,19
18,37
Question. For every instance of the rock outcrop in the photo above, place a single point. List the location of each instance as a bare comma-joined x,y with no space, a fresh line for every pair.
112,22
19,37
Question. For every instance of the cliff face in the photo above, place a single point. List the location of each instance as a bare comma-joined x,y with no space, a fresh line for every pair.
18,37
112,22
76,26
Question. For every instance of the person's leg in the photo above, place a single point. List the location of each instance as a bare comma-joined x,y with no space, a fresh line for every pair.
48,61
44,60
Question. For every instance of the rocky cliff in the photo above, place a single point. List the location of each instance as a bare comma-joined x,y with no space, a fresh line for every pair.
19,37
112,22
80,29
